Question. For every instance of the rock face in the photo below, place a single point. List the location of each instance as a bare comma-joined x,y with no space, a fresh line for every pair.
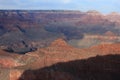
59,43
21,67
99,67
41,38
114,16
24,31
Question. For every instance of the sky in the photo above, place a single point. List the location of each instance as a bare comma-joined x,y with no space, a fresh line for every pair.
104,6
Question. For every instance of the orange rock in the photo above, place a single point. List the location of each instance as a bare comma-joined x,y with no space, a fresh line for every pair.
7,62
15,74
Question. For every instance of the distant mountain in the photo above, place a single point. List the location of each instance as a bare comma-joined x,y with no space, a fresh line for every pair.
114,16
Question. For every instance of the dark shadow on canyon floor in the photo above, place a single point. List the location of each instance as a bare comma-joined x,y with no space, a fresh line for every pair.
95,68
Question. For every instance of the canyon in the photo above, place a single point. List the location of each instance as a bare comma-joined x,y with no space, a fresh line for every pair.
59,45
31,29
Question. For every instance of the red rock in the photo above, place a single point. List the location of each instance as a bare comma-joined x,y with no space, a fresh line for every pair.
15,74
8,62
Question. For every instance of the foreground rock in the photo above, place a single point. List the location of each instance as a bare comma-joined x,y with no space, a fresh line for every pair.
95,68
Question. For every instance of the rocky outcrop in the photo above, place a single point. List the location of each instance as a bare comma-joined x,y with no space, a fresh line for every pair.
99,67
107,49
114,17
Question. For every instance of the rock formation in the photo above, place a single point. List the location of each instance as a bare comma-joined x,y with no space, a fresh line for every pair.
35,45
41,27
58,51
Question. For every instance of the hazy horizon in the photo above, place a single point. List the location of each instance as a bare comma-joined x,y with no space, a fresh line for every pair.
102,6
